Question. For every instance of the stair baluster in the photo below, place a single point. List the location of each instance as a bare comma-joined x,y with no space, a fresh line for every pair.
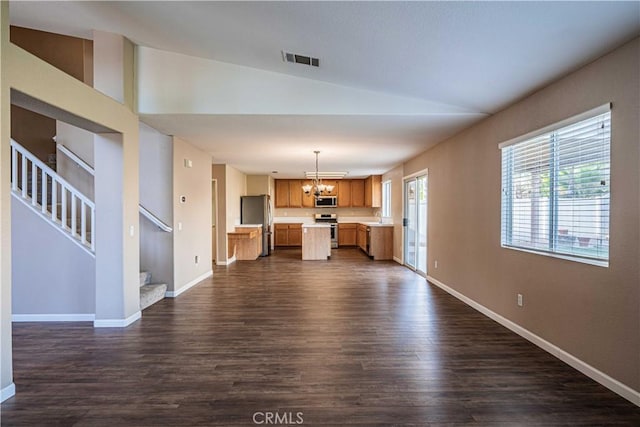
31,181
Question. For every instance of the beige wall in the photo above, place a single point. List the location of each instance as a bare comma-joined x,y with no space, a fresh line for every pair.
395,175
590,312
192,219
156,195
218,172
259,184
113,65
6,352
51,92
72,55
236,187
232,184
80,142
34,132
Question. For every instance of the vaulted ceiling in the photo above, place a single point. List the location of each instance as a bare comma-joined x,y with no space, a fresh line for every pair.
412,73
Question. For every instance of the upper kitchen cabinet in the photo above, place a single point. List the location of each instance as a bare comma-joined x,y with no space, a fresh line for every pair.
295,193
334,184
308,200
344,193
373,191
289,193
351,193
357,193
282,193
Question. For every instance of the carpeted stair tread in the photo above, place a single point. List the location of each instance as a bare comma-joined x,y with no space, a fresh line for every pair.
151,294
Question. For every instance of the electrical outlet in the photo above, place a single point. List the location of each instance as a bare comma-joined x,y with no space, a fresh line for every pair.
436,264
520,300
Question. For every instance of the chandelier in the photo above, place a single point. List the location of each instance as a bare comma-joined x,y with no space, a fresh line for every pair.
317,188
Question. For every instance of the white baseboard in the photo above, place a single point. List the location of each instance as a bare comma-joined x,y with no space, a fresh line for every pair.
227,262
7,392
398,260
173,294
117,323
84,317
611,383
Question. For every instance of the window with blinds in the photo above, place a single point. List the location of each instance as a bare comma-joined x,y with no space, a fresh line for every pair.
555,189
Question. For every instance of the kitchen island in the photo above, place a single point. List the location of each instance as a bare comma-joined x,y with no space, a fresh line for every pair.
245,243
316,241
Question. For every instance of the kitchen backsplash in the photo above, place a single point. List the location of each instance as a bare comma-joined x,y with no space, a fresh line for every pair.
341,212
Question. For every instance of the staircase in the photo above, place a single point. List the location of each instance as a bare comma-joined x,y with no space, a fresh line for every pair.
52,197
150,293
69,211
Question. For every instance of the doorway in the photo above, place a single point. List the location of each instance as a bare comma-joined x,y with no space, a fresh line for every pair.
214,216
415,223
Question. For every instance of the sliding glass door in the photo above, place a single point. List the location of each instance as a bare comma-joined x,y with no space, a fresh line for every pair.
415,223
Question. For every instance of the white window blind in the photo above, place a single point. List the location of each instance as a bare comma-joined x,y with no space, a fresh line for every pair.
555,191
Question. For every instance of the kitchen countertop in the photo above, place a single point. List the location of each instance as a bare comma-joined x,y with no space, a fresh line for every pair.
293,220
248,225
366,220
320,225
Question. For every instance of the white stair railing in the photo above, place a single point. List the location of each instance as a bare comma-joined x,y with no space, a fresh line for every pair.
154,219
84,165
52,196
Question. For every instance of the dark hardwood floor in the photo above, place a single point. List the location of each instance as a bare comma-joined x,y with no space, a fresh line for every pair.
342,342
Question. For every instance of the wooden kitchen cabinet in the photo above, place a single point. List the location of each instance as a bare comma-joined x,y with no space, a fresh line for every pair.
334,183
361,237
357,193
287,234
347,234
281,234
381,242
289,193
344,194
373,191
308,200
351,193
282,193
295,193
295,234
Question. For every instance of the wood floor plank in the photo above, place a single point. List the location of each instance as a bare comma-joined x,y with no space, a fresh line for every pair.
346,341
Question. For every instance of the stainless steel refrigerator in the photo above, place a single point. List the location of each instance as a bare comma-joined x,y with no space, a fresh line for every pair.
257,210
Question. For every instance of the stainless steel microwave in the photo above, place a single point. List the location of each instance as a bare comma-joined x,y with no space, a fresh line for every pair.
327,202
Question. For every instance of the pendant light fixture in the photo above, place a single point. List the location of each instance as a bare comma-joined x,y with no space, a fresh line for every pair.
317,188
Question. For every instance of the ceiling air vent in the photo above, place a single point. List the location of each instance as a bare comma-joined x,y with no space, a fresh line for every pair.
300,59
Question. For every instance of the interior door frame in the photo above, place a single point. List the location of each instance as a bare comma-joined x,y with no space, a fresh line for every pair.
405,179
214,215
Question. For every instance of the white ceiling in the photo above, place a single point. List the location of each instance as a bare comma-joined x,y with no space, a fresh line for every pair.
478,56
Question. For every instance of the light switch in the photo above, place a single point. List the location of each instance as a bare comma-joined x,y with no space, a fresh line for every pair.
179,226
132,230
188,163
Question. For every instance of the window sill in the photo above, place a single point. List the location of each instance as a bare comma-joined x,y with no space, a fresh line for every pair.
597,263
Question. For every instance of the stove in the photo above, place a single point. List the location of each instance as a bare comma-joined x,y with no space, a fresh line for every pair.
331,219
